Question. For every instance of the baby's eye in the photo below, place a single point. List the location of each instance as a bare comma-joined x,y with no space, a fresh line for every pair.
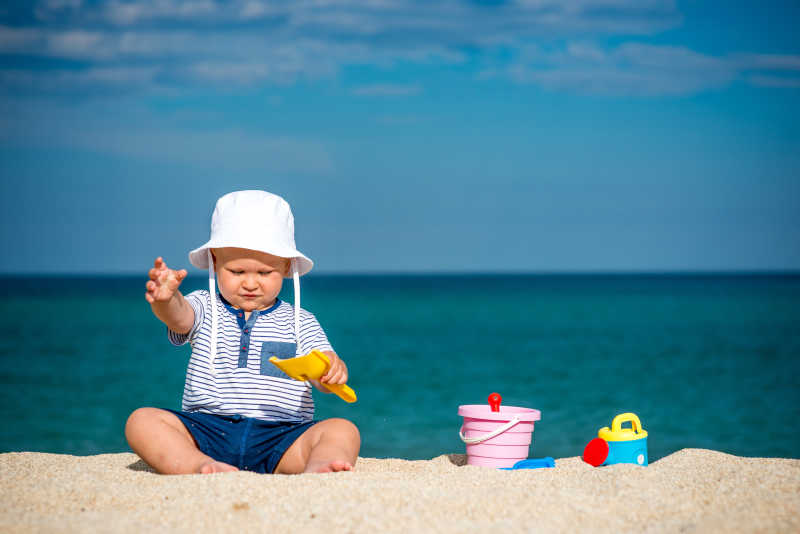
236,272
264,273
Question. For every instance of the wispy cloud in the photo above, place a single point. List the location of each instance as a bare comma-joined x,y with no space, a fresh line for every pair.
162,44
387,90
255,42
399,120
639,69
194,56
133,130
126,13
774,81
379,16
768,61
95,80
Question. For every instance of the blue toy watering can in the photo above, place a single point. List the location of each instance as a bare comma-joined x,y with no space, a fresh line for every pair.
617,445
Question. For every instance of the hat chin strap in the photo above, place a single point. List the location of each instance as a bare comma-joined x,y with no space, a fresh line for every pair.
296,280
212,292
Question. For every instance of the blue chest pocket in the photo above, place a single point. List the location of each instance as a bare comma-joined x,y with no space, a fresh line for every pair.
279,349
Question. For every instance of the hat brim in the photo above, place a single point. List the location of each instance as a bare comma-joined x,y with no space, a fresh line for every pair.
199,256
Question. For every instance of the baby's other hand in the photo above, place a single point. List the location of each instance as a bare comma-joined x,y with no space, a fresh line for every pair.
337,372
163,282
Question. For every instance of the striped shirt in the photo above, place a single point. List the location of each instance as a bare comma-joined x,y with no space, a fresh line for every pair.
244,382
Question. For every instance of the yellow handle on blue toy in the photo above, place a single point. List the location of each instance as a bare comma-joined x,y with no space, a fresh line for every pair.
632,418
313,366
617,433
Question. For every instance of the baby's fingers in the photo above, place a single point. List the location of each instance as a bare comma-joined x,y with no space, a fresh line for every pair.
337,374
175,280
159,269
153,293
334,365
149,296
337,377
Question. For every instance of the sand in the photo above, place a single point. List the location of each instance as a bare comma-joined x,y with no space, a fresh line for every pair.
692,490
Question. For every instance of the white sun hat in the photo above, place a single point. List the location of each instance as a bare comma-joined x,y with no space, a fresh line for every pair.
255,220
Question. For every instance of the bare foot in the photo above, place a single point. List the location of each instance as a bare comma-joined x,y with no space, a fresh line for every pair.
328,467
216,467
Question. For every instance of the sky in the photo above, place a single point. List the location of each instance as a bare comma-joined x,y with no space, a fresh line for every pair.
453,136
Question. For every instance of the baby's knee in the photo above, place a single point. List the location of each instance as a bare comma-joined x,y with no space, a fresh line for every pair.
344,429
141,417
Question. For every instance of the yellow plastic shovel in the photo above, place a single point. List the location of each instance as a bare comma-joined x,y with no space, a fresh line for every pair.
311,367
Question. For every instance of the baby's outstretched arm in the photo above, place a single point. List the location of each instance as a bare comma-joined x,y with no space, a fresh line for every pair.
165,300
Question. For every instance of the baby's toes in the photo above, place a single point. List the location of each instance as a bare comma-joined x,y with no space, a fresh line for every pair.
341,466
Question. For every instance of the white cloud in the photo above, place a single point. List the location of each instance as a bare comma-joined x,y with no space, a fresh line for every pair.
127,13
768,61
663,57
448,17
618,82
180,43
761,80
387,90
87,81
253,10
19,40
50,9
132,130
586,52
371,16
399,120
640,69
187,57
76,43
242,73
388,29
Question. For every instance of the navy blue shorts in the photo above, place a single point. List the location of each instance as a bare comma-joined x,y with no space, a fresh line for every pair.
249,444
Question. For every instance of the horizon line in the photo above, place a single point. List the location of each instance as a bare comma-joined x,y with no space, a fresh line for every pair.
449,273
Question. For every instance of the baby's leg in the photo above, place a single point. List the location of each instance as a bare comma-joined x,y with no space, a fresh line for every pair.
161,440
330,445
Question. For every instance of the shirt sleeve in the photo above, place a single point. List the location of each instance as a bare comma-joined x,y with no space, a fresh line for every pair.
312,336
195,300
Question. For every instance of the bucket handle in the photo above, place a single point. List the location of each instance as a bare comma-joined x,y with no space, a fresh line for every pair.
490,435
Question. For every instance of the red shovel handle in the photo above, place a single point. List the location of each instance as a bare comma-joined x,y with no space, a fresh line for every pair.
494,401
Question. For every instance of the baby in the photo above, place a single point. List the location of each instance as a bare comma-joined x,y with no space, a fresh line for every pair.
240,411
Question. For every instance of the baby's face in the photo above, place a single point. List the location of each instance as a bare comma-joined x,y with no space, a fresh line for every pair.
248,279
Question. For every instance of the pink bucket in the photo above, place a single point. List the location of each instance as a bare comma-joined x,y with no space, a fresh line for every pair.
497,438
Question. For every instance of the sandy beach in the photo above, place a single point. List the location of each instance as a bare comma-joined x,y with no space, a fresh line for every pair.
692,490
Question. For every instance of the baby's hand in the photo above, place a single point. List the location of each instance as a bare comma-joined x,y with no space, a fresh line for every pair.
163,282
337,372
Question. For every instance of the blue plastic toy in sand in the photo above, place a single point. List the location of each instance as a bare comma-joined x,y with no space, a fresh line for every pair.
533,463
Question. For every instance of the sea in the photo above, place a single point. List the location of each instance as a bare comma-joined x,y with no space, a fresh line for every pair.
705,360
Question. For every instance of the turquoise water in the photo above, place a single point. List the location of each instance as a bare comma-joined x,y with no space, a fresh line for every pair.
705,361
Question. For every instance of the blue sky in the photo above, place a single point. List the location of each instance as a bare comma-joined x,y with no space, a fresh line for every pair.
541,135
